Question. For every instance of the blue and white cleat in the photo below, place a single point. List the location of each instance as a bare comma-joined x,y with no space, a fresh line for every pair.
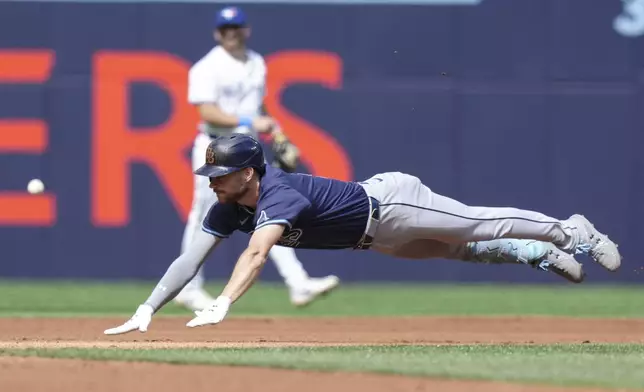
595,244
543,255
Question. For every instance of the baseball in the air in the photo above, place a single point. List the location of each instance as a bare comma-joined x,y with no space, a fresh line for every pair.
35,186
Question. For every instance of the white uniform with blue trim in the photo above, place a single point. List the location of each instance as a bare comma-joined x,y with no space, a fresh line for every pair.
238,88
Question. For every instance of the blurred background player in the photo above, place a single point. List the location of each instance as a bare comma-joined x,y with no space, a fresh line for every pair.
227,85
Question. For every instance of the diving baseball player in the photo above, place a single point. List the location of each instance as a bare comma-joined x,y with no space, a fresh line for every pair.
393,213
227,85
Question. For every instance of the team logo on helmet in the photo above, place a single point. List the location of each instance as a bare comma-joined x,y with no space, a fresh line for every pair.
210,156
229,13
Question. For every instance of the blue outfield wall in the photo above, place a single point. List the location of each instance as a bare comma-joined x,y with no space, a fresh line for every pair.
541,107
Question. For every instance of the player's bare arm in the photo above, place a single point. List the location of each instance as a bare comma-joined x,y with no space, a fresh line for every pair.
176,277
212,114
287,154
252,261
245,273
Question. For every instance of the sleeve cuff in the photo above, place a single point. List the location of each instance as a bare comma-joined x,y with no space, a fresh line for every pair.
274,222
213,232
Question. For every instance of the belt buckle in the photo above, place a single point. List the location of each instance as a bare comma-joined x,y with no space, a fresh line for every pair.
366,243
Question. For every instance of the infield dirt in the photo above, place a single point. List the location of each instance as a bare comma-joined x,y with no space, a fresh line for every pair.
38,374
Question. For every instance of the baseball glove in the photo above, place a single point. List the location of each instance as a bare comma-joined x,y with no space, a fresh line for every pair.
286,155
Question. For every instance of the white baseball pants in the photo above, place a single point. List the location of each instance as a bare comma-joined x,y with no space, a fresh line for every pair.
418,223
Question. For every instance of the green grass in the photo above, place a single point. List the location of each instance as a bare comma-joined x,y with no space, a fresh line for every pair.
613,366
24,298
599,365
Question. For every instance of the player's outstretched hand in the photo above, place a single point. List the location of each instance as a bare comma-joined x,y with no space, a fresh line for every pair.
140,321
213,314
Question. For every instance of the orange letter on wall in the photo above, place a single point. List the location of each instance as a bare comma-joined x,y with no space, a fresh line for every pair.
116,145
324,156
25,137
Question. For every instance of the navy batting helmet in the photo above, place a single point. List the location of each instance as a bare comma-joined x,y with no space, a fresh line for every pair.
230,153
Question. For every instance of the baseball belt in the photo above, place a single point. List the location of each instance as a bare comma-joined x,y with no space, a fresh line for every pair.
372,225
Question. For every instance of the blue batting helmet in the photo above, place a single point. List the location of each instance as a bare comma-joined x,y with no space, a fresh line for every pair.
231,153
230,16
